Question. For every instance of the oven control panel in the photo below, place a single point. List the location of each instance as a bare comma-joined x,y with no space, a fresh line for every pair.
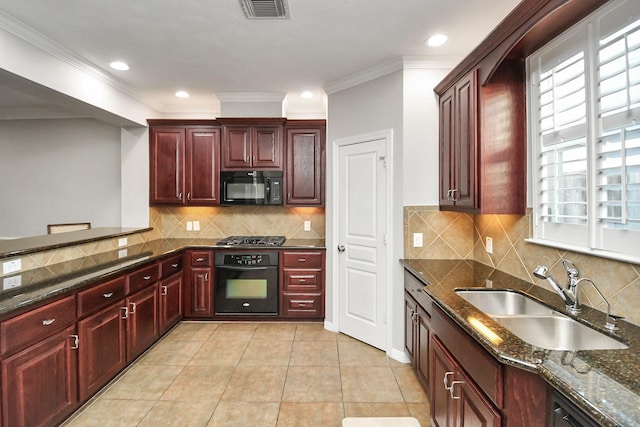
248,259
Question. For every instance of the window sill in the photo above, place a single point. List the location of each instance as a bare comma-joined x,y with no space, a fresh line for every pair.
588,251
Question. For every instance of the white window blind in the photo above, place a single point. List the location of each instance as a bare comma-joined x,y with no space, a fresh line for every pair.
584,120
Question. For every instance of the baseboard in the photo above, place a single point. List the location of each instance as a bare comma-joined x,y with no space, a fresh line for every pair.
399,355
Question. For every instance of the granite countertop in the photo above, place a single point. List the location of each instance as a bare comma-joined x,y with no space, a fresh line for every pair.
30,287
603,383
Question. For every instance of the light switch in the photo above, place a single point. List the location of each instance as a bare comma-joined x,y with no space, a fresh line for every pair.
489,245
189,225
196,225
11,266
417,240
122,242
307,226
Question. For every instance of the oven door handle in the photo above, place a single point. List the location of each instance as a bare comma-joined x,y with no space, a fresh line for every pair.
224,267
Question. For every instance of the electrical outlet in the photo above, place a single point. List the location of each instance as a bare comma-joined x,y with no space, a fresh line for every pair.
489,245
11,266
189,225
417,240
12,282
196,225
307,226
488,283
122,242
122,253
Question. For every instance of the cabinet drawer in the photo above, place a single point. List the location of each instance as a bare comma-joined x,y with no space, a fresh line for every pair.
480,365
170,266
99,296
302,259
142,278
200,258
302,305
34,325
302,280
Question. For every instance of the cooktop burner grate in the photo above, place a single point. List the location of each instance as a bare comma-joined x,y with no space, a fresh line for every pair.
252,241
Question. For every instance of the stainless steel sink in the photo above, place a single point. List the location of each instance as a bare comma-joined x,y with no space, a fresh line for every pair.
501,302
558,332
537,324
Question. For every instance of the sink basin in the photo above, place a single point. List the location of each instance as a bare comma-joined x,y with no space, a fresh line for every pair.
537,324
500,302
558,332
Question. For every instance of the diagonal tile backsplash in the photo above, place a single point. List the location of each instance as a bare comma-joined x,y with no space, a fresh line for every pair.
462,236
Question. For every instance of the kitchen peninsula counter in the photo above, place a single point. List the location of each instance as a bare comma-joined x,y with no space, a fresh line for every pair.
27,288
603,383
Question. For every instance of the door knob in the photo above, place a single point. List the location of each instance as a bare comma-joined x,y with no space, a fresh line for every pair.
340,248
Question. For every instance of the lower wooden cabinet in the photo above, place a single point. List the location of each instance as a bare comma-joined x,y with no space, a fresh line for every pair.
40,382
142,321
302,284
455,399
103,351
170,296
198,291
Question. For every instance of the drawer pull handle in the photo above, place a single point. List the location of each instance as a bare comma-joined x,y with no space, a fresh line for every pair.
446,379
48,322
108,295
306,276
301,280
302,304
164,291
175,265
451,390
76,342
199,259
133,307
302,260
147,277
125,313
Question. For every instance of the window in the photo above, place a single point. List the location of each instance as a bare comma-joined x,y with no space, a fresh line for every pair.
584,127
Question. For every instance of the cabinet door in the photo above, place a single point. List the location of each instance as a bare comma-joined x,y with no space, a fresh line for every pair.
203,157
167,166
443,371
142,321
266,148
102,349
305,151
447,162
199,293
39,386
473,409
170,302
465,140
423,339
236,147
409,329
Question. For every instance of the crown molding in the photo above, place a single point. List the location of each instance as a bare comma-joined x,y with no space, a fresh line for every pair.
250,96
391,66
53,48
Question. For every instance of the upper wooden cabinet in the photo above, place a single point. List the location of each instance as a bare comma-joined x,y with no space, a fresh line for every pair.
305,160
483,110
252,144
184,164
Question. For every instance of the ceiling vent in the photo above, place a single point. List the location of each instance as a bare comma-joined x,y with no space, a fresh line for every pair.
265,9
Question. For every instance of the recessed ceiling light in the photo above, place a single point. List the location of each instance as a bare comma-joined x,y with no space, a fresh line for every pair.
437,40
182,94
307,94
119,65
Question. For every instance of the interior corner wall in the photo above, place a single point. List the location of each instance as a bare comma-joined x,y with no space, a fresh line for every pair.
58,171
366,108
135,177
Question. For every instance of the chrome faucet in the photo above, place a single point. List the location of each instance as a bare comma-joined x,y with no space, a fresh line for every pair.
570,294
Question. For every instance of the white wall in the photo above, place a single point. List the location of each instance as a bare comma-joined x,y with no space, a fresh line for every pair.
370,107
57,171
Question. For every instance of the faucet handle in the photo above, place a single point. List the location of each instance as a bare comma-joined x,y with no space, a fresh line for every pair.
612,319
571,268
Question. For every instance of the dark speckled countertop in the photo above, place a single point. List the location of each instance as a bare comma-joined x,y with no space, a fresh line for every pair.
34,286
603,383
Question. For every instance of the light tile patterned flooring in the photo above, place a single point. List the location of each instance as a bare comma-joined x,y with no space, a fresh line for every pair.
256,374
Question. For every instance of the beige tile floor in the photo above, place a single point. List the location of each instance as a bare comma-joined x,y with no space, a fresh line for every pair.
256,374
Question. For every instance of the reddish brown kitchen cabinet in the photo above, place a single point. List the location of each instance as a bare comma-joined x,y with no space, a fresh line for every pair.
455,399
305,162
184,165
39,383
302,284
417,328
198,290
252,144
142,321
103,348
171,305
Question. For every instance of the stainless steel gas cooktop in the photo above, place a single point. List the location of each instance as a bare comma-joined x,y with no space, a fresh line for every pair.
252,241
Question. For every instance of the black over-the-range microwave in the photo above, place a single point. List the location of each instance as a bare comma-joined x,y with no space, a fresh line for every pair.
251,187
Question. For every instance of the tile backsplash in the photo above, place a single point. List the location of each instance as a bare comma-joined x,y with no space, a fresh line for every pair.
459,235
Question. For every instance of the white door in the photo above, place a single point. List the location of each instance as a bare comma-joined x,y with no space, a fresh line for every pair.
361,207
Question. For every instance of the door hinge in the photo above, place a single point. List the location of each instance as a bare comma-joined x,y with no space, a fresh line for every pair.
384,160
